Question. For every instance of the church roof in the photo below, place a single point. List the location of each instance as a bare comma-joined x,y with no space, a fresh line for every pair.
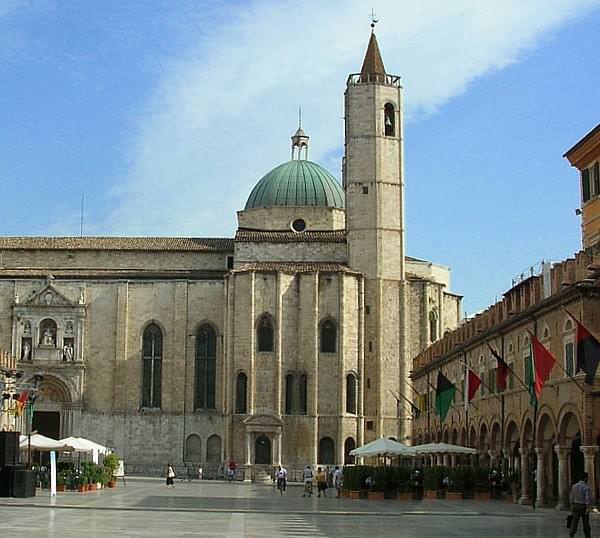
201,244
287,236
372,64
297,183
296,267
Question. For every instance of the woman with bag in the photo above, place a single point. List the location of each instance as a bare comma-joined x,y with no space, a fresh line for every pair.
170,476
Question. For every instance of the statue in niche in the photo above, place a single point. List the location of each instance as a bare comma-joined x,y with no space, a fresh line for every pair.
69,328
26,352
26,328
68,352
48,338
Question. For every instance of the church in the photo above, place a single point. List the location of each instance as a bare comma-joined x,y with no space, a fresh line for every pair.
289,343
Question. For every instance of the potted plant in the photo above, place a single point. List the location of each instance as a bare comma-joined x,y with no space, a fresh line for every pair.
111,464
61,481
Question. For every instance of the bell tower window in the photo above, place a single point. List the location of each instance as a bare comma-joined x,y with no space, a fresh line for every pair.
389,120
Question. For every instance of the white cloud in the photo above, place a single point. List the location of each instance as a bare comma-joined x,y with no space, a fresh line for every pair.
224,111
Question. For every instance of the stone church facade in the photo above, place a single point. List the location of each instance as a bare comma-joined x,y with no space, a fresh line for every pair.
289,343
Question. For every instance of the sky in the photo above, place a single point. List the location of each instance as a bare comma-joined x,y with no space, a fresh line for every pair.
163,115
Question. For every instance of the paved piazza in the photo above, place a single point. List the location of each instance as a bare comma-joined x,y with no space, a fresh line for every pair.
145,507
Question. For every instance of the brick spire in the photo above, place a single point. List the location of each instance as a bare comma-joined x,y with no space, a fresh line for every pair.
372,68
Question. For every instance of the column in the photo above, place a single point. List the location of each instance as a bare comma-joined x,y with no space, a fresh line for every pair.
453,460
446,460
249,448
589,459
525,499
278,438
540,478
562,452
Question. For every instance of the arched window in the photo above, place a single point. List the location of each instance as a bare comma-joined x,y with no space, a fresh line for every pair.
264,334
213,449
349,445
193,448
328,336
206,367
151,366
289,394
389,118
326,451
433,325
351,394
241,387
303,386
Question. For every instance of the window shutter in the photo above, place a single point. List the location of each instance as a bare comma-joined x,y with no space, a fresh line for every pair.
596,176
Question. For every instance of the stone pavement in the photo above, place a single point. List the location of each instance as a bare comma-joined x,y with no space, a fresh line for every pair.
146,508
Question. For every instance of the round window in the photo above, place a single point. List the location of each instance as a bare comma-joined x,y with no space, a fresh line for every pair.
299,225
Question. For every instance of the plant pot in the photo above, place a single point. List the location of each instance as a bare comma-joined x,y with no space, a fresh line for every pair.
61,487
454,495
430,494
81,488
404,496
483,496
354,494
375,495
112,484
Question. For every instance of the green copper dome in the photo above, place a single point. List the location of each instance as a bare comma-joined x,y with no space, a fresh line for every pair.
297,183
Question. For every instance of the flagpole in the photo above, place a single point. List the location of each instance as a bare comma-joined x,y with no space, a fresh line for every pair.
561,366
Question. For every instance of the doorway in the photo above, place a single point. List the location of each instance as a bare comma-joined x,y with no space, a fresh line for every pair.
262,450
47,423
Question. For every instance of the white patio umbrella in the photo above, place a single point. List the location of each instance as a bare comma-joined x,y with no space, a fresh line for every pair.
382,447
441,448
41,443
80,444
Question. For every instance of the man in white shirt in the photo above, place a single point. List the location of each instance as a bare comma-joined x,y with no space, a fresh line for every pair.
581,500
281,476
308,480
337,480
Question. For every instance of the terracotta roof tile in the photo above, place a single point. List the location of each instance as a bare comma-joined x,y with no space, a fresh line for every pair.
200,244
296,267
287,236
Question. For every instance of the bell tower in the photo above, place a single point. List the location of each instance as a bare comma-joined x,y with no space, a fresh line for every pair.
374,188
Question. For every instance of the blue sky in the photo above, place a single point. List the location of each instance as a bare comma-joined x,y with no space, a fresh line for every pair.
165,114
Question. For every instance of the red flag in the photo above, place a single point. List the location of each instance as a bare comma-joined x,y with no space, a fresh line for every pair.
23,397
473,383
543,362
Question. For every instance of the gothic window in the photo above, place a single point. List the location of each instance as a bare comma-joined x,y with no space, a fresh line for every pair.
389,118
206,367
151,366
193,448
351,394
289,394
213,449
265,334
433,325
326,451
303,386
241,388
328,336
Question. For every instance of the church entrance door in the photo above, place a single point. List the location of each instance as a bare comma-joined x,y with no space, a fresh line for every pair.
262,450
47,423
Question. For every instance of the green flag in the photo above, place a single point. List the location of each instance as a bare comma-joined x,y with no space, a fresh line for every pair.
444,395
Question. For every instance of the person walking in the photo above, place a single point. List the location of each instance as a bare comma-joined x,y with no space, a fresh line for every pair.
337,481
321,482
581,500
170,476
307,475
281,476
